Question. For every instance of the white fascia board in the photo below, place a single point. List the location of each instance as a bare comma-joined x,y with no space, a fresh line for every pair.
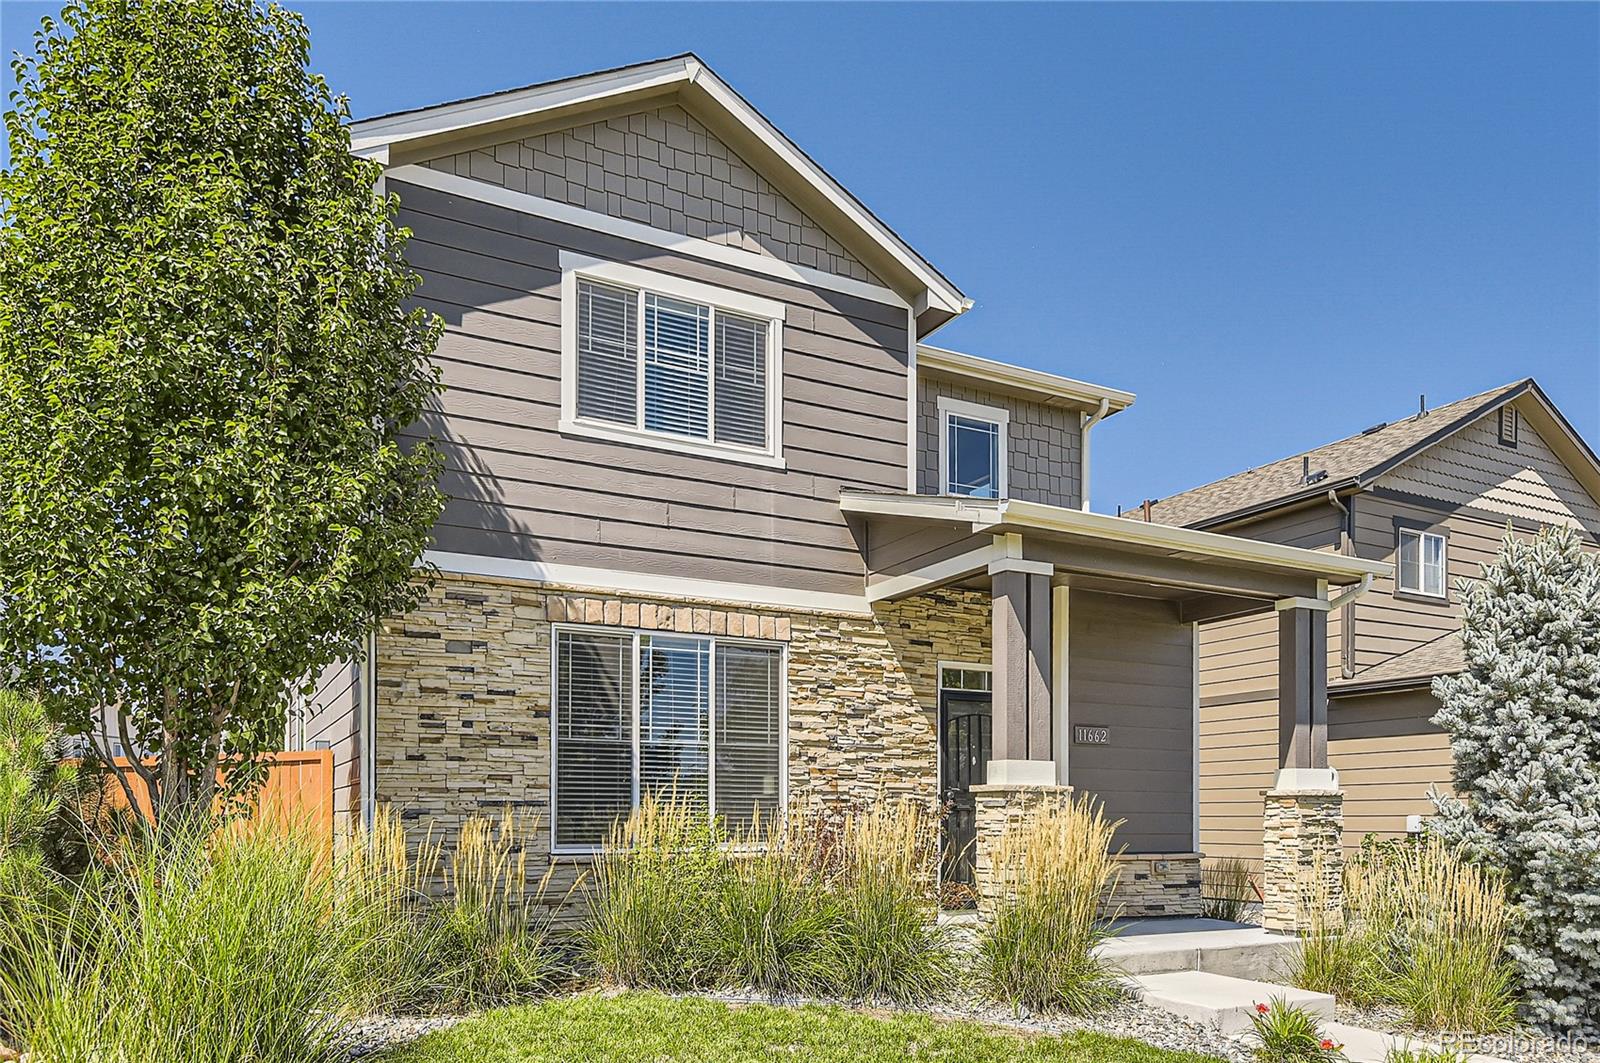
722,254
523,103
1015,376
1210,545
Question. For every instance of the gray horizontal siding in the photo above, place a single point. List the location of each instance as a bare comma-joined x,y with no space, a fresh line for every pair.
1042,442
1130,666
332,721
521,489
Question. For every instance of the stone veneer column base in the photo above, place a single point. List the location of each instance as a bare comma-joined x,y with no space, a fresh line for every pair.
999,806
1302,858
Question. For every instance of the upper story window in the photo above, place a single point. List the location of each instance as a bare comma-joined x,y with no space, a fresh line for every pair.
972,449
638,712
1421,562
664,362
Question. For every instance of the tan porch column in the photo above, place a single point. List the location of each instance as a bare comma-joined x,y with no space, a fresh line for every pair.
1022,771
1303,825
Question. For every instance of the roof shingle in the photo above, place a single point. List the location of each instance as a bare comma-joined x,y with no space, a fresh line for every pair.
1347,459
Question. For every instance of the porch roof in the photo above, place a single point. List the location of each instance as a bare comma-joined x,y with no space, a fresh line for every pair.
913,543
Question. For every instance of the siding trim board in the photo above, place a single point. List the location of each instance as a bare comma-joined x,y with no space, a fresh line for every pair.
721,254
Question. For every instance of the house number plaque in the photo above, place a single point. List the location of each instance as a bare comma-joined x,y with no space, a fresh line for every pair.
1091,736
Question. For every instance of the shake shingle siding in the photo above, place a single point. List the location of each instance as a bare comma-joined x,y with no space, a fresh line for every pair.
521,489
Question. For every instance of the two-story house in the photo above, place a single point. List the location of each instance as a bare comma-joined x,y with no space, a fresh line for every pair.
1434,494
719,518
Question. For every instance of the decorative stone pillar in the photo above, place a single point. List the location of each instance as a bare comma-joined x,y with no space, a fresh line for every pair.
1302,852
998,807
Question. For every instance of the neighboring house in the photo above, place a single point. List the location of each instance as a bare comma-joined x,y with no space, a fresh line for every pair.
718,516
1434,494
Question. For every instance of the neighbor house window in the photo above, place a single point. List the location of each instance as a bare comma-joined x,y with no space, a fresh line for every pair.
1422,562
972,449
640,713
670,363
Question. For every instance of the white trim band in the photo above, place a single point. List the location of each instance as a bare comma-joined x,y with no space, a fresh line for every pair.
647,585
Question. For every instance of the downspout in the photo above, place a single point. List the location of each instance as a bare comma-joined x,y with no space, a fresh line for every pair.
1087,421
1346,599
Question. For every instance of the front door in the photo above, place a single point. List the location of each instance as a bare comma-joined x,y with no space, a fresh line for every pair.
964,748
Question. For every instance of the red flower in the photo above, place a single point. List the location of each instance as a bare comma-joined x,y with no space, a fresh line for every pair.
1329,1046
1261,1009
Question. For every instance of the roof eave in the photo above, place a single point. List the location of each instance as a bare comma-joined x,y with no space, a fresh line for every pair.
1020,378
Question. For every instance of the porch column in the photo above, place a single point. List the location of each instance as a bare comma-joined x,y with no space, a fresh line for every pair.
1303,824
1022,770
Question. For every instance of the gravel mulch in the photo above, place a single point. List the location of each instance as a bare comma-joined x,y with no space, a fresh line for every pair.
1523,1045
377,1033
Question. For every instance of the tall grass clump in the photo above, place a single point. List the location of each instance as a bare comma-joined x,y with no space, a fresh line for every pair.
776,920
207,946
1227,889
1422,929
889,943
445,929
1057,870
652,911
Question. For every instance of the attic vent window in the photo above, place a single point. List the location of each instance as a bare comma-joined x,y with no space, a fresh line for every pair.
1508,426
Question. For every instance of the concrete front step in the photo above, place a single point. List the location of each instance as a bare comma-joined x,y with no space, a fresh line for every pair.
1222,1001
1228,948
1362,1045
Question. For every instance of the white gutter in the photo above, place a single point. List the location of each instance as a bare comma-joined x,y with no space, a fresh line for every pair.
1087,421
1351,593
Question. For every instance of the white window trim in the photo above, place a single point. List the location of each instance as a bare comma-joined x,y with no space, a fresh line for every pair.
1000,416
1444,561
575,267
711,709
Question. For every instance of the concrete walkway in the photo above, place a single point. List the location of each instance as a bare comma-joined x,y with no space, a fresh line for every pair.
1238,950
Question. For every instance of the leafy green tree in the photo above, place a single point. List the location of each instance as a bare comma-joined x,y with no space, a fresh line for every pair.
1524,725
207,359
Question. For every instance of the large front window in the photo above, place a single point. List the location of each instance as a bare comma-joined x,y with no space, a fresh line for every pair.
638,713
667,362
972,449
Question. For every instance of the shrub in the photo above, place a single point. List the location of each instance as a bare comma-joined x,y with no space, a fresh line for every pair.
1285,1033
651,913
1521,718
1422,929
39,792
1227,889
1039,949
1423,1055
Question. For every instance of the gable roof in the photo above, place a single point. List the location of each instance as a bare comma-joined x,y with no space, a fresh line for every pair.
418,133
1355,461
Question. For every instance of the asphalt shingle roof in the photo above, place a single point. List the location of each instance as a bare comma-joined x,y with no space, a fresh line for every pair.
1439,656
1346,459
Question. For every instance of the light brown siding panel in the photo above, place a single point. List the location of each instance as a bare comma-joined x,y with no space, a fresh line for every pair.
1130,668
521,489
332,718
1472,468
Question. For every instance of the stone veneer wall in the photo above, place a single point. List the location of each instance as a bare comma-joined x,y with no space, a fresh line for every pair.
463,704
1157,884
1302,858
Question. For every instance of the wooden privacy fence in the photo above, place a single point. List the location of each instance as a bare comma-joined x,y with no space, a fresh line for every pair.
298,787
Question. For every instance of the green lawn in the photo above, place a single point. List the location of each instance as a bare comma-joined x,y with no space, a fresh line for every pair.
650,1028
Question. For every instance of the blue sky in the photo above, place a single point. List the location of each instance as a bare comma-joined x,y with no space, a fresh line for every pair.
1277,224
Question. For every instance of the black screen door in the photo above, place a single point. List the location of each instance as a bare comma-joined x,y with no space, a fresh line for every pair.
964,749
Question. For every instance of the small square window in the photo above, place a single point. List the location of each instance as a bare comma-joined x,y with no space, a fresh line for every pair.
972,449
1421,563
